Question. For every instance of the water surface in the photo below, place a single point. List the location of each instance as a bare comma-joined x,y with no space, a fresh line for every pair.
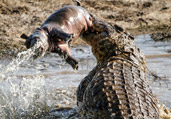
48,82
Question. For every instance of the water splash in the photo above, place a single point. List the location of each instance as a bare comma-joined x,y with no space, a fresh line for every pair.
21,58
22,99
27,96
17,98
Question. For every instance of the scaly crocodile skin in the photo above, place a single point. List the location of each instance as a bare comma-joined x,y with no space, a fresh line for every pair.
116,88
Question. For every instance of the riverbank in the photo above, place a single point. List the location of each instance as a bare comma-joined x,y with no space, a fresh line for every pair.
136,16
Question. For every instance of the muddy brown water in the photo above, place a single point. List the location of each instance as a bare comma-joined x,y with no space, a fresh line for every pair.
48,82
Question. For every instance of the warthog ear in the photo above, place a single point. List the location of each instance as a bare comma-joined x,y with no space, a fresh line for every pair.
24,36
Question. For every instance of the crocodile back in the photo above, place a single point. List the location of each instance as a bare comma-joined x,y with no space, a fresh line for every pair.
117,87
119,91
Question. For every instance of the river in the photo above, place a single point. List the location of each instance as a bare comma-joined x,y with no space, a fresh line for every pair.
36,86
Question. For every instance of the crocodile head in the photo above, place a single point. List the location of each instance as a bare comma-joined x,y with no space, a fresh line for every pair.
103,46
116,44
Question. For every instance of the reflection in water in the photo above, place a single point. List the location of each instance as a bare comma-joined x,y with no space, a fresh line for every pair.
33,88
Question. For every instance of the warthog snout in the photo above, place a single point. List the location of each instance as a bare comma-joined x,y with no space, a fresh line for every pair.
30,43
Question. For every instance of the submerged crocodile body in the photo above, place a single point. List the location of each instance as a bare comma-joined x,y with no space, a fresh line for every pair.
117,87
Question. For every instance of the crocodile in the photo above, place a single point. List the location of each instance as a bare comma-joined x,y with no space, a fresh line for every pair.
117,87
